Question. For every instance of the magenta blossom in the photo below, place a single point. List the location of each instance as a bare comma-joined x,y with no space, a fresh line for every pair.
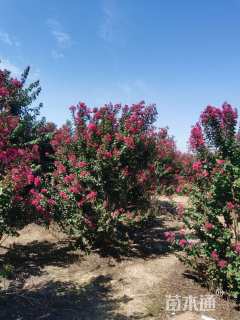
73,109
220,161
230,205
222,264
208,226
169,236
16,83
4,92
229,114
214,255
63,195
30,178
237,248
37,182
92,127
51,202
91,196
182,243
196,138
211,113
81,164
197,165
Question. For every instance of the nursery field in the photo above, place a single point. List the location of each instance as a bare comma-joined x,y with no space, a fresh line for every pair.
119,160
49,280
103,218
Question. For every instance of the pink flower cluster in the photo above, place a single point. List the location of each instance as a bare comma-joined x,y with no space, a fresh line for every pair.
236,248
196,138
211,114
4,92
7,88
220,262
169,236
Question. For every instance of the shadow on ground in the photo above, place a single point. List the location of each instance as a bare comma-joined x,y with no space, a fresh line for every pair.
30,259
63,301
148,241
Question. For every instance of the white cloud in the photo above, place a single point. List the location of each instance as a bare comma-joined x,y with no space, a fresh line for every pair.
106,28
7,39
63,39
57,54
6,64
4,37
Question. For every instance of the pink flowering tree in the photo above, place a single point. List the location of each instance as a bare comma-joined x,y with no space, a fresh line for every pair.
185,174
211,241
167,167
104,171
24,142
15,97
173,168
18,172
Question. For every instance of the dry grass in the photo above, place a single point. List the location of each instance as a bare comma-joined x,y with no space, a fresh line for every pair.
51,281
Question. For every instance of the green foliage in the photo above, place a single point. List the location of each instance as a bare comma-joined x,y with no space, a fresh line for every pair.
104,172
24,141
211,244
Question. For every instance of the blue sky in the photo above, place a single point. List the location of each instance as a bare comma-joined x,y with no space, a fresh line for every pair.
181,55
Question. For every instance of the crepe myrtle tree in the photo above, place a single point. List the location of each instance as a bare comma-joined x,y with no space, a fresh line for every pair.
24,149
104,171
211,242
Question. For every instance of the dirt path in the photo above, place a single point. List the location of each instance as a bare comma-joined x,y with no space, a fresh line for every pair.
49,281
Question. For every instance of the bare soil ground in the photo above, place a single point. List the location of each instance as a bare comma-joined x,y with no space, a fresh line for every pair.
51,281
